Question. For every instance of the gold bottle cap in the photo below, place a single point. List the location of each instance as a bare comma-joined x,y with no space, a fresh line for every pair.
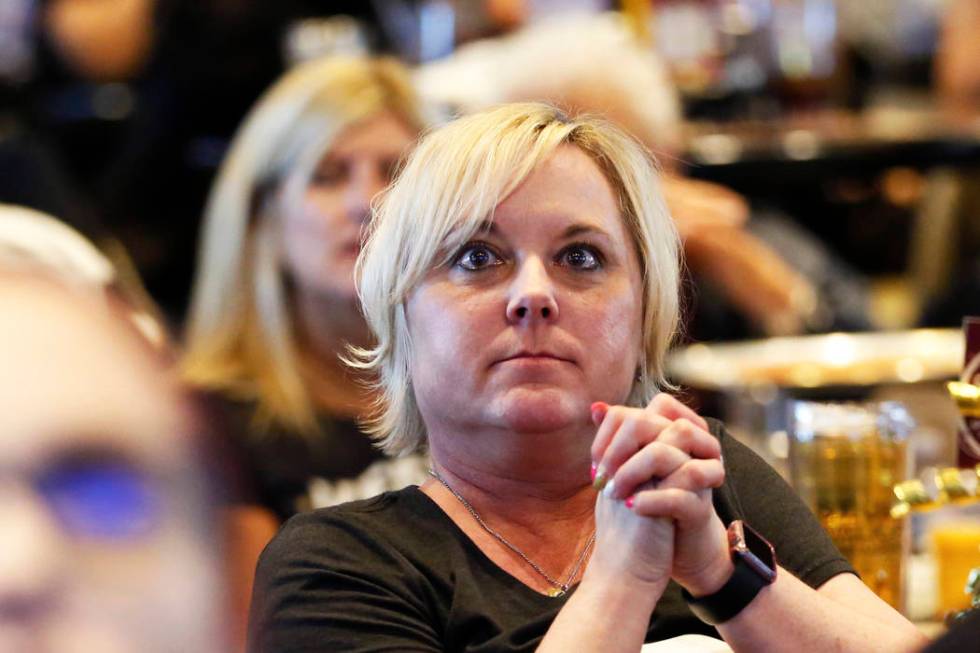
956,485
941,487
967,397
911,496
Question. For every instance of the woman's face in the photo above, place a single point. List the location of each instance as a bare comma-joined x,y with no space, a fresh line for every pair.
322,235
537,317
105,542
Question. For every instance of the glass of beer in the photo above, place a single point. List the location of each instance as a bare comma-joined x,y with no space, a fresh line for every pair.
844,460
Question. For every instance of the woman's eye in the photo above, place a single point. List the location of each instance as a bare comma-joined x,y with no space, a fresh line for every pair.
477,257
580,257
329,175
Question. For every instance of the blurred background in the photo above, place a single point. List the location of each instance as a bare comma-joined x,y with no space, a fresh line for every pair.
851,119
821,160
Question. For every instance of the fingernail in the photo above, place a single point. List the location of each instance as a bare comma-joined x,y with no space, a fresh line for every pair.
629,501
610,489
600,479
592,472
599,410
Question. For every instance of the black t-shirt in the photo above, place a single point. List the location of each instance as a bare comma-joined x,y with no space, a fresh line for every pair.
289,472
395,573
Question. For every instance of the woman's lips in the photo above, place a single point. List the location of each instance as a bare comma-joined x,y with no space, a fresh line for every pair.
540,358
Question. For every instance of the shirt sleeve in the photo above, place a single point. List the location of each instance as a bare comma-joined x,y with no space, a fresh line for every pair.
769,505
326,584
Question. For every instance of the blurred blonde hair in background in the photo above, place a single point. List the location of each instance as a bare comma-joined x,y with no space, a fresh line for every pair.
578,62
240,334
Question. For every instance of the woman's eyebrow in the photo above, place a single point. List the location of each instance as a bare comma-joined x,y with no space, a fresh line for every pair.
488,228
584,230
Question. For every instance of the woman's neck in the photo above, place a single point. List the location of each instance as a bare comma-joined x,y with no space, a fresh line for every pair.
547,514
324,327
535,495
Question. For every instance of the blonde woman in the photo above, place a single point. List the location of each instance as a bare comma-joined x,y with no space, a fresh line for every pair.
522,281
274,299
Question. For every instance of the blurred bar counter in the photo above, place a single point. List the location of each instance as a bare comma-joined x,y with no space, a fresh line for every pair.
831,141
893,190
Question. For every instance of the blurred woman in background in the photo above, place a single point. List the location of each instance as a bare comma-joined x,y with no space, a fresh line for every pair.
274,301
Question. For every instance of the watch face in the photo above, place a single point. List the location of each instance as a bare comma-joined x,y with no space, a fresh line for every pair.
753,549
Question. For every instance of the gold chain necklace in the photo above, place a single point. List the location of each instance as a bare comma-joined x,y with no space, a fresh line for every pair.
558,588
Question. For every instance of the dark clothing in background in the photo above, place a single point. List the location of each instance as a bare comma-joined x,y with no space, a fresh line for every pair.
289,472
961,296
143,152
395,573
32,175
961,299
962,637
211,62
277,465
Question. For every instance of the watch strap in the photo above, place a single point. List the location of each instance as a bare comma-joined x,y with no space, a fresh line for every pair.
754,567
742,587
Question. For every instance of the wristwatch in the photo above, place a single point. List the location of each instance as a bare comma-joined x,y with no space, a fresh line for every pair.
755,568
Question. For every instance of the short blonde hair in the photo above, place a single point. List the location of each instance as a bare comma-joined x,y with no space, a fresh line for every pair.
448,190
240,333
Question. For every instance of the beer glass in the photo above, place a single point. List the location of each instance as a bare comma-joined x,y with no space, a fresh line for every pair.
845,459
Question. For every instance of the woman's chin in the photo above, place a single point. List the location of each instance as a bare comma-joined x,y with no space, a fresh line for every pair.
538,411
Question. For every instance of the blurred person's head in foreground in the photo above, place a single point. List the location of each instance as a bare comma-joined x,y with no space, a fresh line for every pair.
104,511
35,242
274,289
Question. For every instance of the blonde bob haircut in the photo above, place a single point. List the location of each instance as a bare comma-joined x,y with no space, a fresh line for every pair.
446,193
240,334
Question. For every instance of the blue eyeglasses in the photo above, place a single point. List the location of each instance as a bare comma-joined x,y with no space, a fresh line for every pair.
101,497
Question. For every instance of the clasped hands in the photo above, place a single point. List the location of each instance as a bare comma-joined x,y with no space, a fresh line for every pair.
654,516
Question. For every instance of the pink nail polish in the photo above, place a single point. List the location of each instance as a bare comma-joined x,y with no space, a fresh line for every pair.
629,502
592,472
598,411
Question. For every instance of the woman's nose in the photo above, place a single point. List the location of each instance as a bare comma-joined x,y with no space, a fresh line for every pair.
366,182
532,294
31,557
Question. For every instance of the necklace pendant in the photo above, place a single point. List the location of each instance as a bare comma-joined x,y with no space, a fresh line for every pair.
557,588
